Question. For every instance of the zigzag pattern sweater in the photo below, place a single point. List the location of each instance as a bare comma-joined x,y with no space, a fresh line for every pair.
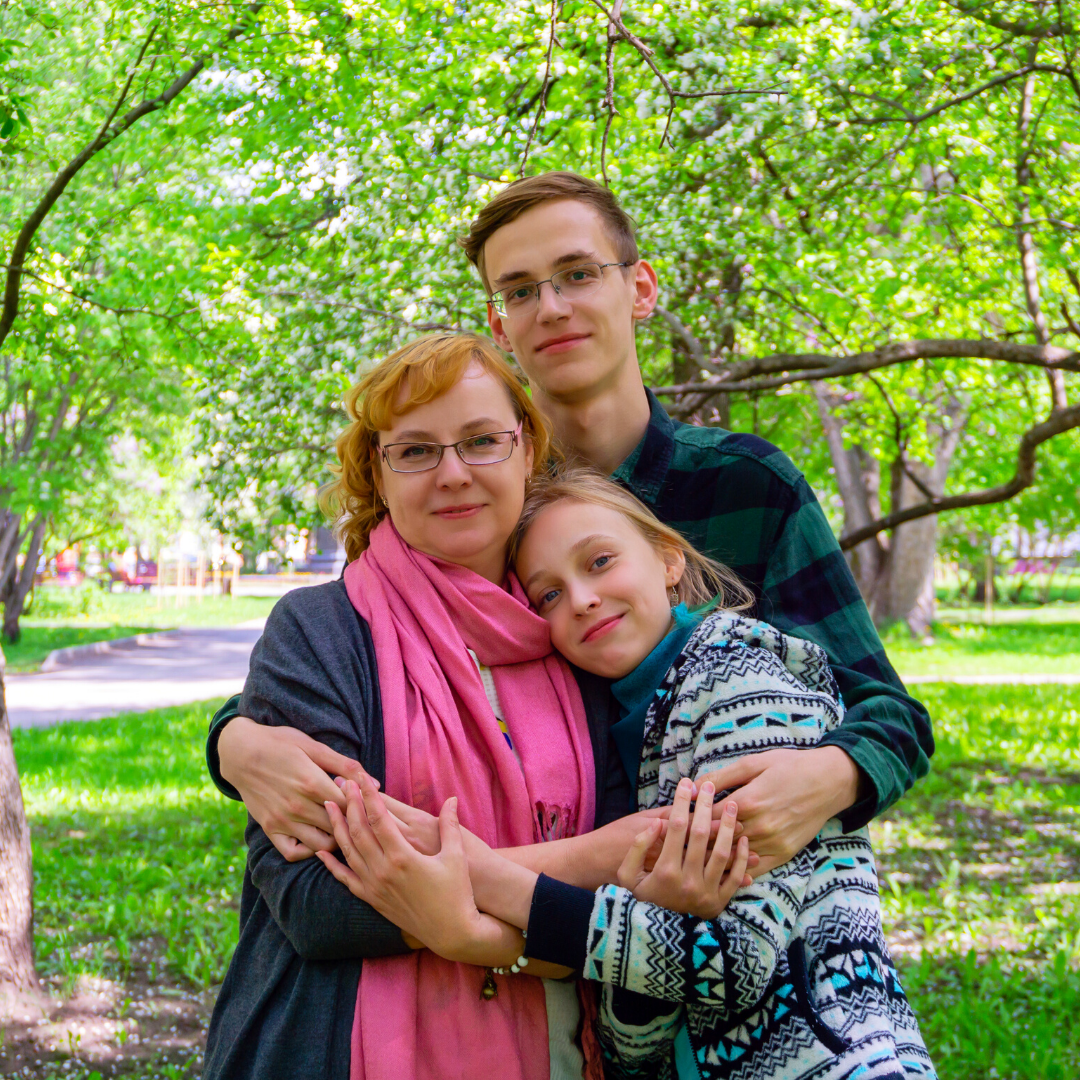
793,980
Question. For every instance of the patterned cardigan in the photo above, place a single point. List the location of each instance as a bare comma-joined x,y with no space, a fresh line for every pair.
793,980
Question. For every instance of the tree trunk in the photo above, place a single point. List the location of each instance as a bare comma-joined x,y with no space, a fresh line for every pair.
20,992
895,574
907,594
15,600
857,479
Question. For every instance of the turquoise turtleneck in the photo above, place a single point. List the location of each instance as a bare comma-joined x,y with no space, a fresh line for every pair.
635,692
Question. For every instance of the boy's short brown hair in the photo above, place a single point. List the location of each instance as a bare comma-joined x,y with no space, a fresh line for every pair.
524,194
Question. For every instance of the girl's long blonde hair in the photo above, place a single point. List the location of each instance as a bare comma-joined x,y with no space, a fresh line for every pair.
414,374
704,582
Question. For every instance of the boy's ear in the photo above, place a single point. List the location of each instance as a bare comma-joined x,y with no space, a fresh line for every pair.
674,566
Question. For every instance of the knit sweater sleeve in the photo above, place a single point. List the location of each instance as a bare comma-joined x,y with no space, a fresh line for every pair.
727,962
314,669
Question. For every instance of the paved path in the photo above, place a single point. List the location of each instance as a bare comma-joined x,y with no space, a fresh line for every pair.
148,672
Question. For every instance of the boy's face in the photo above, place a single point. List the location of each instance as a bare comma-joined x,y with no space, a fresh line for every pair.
575,351
601,586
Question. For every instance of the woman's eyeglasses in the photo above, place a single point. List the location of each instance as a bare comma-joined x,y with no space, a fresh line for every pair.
486,449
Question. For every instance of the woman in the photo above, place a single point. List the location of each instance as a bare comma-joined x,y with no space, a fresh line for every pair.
426,666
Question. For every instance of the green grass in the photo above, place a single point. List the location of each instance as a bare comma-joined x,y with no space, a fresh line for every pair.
90,606
1010,613
132,843
134,849
999,648
980,874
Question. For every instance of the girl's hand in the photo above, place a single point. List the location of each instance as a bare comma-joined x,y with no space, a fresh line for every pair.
691,880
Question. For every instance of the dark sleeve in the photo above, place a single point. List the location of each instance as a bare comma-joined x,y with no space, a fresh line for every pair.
321,919
616,796
227,711
809,592
559,923
313,669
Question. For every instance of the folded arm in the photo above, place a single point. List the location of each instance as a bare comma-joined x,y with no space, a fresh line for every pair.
885,741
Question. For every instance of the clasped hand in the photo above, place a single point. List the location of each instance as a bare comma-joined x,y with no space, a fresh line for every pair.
428,896
686,875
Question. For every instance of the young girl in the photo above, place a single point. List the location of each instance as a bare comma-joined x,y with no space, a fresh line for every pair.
792,978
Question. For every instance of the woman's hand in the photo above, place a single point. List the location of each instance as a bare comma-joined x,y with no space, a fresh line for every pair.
281,775
786,796
429,897
692,881
419,827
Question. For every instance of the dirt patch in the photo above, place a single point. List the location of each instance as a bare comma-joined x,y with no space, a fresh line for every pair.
113,1027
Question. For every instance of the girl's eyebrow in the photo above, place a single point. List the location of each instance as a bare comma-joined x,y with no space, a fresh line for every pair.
584,542
588,541
539,574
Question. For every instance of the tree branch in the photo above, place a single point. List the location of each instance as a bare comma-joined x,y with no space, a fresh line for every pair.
98,304
674,96
1023,29
682,332
63,178
918,118
613,38
746,375
544,88
1055,424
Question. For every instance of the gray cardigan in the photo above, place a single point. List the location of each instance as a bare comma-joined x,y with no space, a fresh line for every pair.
285,1009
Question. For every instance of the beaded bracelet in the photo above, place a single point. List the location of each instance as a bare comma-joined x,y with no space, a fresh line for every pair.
489,990
514,968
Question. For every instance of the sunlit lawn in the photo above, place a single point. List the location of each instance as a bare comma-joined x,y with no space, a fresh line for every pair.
964,645
980,874
979,868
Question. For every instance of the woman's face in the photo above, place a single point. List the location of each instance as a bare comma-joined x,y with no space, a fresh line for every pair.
602,587
457,512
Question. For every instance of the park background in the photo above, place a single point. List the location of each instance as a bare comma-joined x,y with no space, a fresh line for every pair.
865,222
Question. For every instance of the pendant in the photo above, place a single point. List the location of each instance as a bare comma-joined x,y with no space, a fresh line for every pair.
489,990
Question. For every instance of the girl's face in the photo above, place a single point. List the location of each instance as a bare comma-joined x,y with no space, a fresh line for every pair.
457,512
602,587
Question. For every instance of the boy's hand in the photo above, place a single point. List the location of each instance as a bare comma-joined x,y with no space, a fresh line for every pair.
688,877
786,796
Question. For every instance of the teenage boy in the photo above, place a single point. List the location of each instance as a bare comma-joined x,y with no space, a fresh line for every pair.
559,261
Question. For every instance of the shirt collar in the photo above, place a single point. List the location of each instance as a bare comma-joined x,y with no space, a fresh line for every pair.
644,471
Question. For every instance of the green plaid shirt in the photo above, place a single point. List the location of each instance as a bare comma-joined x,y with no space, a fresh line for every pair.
742,501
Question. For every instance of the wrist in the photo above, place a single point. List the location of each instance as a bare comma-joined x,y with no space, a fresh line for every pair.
844,779
230,748
502,888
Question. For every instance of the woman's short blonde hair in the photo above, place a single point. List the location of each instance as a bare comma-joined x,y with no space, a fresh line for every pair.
415,374
704,582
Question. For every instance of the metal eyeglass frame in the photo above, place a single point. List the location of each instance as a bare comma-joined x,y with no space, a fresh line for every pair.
499,304
515,437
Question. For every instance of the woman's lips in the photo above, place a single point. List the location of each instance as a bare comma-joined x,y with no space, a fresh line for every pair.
601,629
452,513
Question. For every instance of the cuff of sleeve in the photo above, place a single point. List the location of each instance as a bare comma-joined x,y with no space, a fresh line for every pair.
227,711
559,923
869,804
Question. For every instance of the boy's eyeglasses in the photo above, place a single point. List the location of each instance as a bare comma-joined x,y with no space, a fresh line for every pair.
571,284
487,449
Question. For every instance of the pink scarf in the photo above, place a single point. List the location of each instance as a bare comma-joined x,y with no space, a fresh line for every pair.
420,1017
